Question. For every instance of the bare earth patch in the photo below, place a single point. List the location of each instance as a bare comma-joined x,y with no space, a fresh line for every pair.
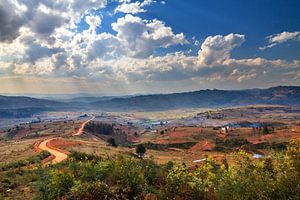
203,146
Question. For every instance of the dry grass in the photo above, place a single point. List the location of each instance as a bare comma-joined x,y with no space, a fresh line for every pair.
16,150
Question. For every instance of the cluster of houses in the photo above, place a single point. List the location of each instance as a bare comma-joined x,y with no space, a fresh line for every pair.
231,126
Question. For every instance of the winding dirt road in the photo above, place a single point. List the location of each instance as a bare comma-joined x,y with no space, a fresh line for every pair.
58,154
80,130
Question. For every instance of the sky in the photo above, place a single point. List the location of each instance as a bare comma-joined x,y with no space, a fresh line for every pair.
120,47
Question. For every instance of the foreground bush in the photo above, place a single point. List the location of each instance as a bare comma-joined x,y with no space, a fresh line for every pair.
275,177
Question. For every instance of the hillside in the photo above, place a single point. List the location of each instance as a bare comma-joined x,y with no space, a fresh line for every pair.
20,106
16,102
282,95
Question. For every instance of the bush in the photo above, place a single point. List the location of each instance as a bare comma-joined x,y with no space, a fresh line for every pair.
112,142
22,163
140,149
56,185
93,190
273,177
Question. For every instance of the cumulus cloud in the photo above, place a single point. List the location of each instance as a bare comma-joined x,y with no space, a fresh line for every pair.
10,20
133,8
93,21
104,46
143,37
44,24
36,51
279,38
217,49
41,16
40,38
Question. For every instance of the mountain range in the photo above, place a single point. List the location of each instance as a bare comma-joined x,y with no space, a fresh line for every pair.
280,95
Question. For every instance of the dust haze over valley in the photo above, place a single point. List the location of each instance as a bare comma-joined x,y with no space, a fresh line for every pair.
149,100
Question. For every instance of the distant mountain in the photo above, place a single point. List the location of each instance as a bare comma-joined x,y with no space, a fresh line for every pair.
16,102
282,95
20,106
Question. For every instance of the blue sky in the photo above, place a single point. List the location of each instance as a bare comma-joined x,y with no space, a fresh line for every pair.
256,19
148,46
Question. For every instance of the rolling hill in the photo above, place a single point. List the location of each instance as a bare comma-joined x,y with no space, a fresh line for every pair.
20,106
282,95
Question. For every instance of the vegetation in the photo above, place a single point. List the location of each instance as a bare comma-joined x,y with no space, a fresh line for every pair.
112,142
11,133
140,149
99,128
22,163
229,144
85,176
162,147
275,177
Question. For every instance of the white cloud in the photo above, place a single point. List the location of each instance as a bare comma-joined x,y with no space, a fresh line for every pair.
217,49
133,8
281,38
104,46
31,46
93,21
42,16
142,37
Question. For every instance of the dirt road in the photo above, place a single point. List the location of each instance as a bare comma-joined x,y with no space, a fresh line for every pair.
80,131
59,156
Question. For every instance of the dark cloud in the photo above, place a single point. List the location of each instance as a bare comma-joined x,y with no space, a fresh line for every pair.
36,51
10,21
43,23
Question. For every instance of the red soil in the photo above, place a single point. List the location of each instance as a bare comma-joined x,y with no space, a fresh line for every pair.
281,135
133,139
59,143
203,146
185,132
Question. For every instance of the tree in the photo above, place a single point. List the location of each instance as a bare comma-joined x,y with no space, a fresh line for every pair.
112,142
140,150
266,130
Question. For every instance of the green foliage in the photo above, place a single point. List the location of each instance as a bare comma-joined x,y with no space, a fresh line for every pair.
112,142
79,156
11,133
234,142
90,177
140,149
10,180
229,144
162,147
93,190
22,163
56,185
99,128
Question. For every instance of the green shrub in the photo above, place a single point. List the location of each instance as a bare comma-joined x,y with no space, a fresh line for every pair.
273,177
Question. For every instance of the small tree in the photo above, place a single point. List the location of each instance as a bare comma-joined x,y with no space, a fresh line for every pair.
140,150
266,130
112,142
